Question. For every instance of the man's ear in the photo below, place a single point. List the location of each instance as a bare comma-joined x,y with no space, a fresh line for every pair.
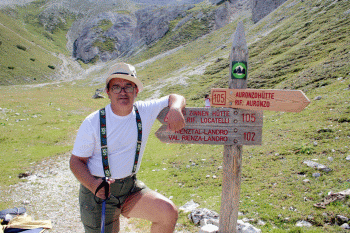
107,92
137,91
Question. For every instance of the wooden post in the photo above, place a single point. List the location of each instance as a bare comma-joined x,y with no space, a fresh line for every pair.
232,161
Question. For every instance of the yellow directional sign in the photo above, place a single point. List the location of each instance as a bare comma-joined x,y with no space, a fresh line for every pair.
260,99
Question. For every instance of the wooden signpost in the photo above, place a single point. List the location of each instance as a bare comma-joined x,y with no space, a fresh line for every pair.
238,122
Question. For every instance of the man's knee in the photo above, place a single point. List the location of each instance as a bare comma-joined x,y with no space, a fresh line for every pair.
169,211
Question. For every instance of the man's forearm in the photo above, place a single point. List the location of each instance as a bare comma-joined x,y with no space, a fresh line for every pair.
176,120
80,170
177,101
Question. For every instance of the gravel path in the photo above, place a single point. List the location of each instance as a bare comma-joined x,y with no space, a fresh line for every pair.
51,192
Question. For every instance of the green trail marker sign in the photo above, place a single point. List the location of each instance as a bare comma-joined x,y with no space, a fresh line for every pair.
239,70
238,122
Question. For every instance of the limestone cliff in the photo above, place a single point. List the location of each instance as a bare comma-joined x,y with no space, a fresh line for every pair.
261,8
112,34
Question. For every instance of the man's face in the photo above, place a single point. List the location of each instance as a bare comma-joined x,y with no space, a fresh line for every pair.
126,97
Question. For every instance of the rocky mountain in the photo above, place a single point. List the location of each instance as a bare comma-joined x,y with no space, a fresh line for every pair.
108,35
112,34
262,8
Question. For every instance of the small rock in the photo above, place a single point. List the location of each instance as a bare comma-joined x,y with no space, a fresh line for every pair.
348,158
303,224
315,143
306,181
246,227
330,159
198,214
189,206
209,221
209,229
345,226
25,202
316,174
97,96
261,223
342,219
318,97
317,166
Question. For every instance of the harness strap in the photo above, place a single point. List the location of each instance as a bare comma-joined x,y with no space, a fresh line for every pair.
139,139
104,149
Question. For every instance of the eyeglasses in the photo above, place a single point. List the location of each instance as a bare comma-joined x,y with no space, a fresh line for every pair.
116,89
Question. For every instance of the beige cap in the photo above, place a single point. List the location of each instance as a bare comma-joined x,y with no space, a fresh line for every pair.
124,71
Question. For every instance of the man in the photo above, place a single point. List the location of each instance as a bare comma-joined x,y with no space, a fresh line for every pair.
207,100
128,196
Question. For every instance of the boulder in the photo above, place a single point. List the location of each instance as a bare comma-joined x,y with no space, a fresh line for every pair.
318,166
198,215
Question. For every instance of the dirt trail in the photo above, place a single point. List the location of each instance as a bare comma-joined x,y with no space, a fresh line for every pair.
51,193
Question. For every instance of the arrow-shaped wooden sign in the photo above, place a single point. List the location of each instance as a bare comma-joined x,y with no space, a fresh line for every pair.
220,126
244,135
260,99
217,117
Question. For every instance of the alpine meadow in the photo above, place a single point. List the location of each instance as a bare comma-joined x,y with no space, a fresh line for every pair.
46,90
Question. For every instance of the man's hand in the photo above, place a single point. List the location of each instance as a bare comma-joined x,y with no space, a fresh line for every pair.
78,165
101,192
176,120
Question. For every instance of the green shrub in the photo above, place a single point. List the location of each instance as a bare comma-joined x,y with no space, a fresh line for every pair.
51,67
106,45
21,47
105,24
32,59
11,67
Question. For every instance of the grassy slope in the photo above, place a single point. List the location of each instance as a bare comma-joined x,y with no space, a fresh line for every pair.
36,62
22,65
271,180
